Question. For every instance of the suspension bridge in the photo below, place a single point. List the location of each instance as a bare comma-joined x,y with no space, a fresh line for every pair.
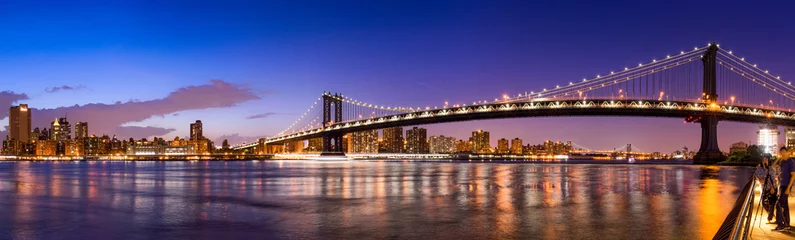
704,85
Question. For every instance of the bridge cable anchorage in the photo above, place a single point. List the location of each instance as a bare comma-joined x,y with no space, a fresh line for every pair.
582,86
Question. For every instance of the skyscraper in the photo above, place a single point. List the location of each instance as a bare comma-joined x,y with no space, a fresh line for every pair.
441,144
417,140
393,140
480,142
502,146
767,139
196,130
81,130
60,129
19,123
516,146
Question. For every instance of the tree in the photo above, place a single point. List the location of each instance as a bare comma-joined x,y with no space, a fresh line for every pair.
754,154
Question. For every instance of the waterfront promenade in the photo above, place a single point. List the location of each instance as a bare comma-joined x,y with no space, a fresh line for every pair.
762,230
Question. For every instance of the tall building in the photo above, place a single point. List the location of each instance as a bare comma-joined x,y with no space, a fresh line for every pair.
417,140
516,146
196,130
19,123
790,134
392,140
480,142
60,130
502,146
767,139
81,130
363,142
441,144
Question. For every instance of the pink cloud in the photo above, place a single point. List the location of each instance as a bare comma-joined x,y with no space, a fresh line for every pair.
8,98
108,118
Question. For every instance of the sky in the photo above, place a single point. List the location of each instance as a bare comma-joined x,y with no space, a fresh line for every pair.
248,69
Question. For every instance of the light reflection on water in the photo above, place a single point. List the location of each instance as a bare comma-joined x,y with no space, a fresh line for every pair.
355,200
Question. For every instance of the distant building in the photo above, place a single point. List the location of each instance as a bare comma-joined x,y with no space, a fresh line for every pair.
738,146
46,147
363,142
502,146
441,144
81,130
74,147
196,130
60,130
516,146
767,139
314,145
790,134
480,142
417,140
392,141
19,123
144,150
463,146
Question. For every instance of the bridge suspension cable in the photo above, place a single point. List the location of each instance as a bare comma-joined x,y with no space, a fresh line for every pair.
614,78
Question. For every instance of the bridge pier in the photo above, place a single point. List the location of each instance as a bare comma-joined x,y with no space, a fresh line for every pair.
332,145
709,152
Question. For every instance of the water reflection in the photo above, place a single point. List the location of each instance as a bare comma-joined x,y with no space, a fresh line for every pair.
281,200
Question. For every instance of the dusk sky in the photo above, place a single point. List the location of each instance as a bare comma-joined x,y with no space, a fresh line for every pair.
248,69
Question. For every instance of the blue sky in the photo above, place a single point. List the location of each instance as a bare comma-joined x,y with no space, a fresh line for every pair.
415,53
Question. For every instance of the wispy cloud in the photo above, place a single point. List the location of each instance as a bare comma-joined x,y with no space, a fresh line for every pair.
63,88
261,115
110,118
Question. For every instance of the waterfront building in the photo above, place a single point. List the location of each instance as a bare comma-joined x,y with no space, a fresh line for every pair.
417,140
60,130
480,142
46,147
74,147
516,146
196,130
790,137
767,138
363,142
19,122
315,145
144,150
738,146
441,144
392,141
502,146
81,130
462,146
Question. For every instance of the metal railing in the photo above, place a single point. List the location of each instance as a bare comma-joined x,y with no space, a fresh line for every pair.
743,222
738,221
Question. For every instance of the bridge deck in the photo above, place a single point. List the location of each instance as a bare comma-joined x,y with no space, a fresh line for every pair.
762,230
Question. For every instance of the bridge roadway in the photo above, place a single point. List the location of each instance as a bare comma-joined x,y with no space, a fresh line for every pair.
549,108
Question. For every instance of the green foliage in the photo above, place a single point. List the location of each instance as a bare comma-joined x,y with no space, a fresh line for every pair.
752,155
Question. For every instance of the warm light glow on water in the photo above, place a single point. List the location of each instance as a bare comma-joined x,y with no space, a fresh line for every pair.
355,200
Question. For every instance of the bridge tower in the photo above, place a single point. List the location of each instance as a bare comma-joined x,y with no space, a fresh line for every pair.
332,107
709,152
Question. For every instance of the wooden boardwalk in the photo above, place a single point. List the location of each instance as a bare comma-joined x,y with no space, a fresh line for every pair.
762,230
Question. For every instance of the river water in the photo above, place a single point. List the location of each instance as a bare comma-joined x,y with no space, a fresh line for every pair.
363,200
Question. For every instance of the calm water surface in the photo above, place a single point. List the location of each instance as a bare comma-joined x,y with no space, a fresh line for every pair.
362,200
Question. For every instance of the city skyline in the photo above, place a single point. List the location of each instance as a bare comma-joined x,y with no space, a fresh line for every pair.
243,84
